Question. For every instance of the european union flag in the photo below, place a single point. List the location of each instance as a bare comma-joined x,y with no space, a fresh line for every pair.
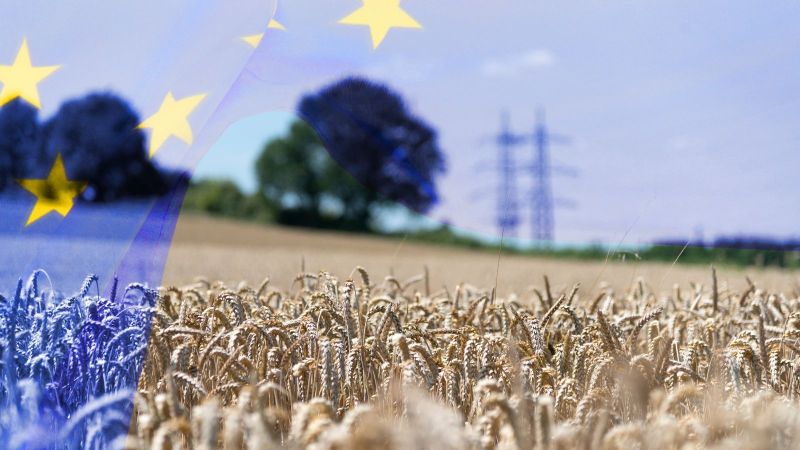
105,110
101,103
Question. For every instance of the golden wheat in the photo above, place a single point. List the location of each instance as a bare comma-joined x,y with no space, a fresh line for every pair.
348,364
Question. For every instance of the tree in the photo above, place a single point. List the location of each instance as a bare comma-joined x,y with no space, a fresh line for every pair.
224,198
100,144
296,173
19,141
377,151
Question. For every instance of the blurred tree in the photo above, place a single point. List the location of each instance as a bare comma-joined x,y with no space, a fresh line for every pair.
100,143
223,198
19,140
380,152
297,173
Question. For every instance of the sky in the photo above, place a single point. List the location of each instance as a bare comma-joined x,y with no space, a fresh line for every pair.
234,155
682,116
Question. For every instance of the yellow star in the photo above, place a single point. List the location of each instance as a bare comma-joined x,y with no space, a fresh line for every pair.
380,16
254,39
56,193
20,79
275,25
171,120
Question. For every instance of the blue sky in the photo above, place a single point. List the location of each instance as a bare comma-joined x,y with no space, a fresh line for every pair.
234,155
683,115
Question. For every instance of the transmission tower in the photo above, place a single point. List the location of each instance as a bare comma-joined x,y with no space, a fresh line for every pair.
541,170
542,201
507,213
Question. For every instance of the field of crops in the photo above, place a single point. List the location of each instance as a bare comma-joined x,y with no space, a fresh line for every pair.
371,361
330,363
233,251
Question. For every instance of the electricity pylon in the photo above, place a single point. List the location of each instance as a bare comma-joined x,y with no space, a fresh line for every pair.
542,201
507,213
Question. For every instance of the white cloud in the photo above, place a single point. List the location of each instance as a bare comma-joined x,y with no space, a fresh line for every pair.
512,65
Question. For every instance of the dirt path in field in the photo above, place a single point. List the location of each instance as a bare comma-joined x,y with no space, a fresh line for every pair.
233,252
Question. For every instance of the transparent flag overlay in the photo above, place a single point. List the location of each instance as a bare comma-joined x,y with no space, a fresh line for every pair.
71,363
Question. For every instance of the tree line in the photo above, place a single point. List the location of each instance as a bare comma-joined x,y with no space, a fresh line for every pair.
97,137
357,148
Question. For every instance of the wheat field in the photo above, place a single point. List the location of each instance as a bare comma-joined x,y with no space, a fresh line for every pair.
366,362
373,360
308,340
235,251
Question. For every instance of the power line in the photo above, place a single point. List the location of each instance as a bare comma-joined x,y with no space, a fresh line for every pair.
542,200
541,170
507,212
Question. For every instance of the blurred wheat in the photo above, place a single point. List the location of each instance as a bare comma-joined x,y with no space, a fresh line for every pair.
356,364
